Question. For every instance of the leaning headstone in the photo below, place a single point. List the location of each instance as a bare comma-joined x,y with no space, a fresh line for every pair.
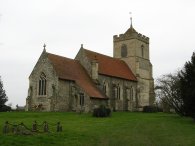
45,127
23,130
6,128
20,128
14,129
58,126
34,126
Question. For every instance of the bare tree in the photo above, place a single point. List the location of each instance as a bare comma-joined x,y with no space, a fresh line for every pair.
168,91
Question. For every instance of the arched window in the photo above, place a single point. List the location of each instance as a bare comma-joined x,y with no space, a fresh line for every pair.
142,50
42,84
76,100
81,99
123,50
128,93
118,91
131,94
104,88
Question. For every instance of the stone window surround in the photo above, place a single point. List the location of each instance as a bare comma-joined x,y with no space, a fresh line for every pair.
124,50
118,92
42,85
131,94
142,50
105,88
81,99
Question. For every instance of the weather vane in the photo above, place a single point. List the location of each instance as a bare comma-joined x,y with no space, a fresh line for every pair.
130,13
44,46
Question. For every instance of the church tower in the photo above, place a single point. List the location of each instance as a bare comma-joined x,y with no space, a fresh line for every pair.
133,48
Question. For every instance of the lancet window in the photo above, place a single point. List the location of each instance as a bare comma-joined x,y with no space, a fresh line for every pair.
42,84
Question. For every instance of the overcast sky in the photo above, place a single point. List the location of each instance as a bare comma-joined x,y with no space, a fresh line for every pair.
25,25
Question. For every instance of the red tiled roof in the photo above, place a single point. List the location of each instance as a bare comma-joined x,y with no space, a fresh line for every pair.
70,69
111,66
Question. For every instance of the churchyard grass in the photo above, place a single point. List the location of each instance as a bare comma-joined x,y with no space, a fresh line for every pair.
121,129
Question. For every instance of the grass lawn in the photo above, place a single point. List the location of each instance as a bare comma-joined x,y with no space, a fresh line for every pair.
121,129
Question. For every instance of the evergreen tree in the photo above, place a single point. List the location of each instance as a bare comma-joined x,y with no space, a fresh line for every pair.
187,83
3,97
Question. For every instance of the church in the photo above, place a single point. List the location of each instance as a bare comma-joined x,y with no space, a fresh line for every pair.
123,82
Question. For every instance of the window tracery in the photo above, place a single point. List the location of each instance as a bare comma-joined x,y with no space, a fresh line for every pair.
42,84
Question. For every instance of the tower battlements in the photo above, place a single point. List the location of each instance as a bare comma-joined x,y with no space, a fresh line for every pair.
139,36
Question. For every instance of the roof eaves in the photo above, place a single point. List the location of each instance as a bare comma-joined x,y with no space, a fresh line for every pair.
119,77
105,98
65,79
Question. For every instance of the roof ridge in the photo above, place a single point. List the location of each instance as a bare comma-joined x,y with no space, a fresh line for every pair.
60,56
111,66
98,53
110,57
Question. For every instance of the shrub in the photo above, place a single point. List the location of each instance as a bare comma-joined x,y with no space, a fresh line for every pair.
150,109
101,111
5,108
193,117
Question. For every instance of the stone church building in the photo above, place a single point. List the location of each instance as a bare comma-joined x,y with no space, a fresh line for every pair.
123,82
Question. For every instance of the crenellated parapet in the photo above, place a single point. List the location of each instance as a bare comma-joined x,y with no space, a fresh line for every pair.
139,36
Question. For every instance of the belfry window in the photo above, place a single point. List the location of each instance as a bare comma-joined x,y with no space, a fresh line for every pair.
142,50
42,84
123,50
